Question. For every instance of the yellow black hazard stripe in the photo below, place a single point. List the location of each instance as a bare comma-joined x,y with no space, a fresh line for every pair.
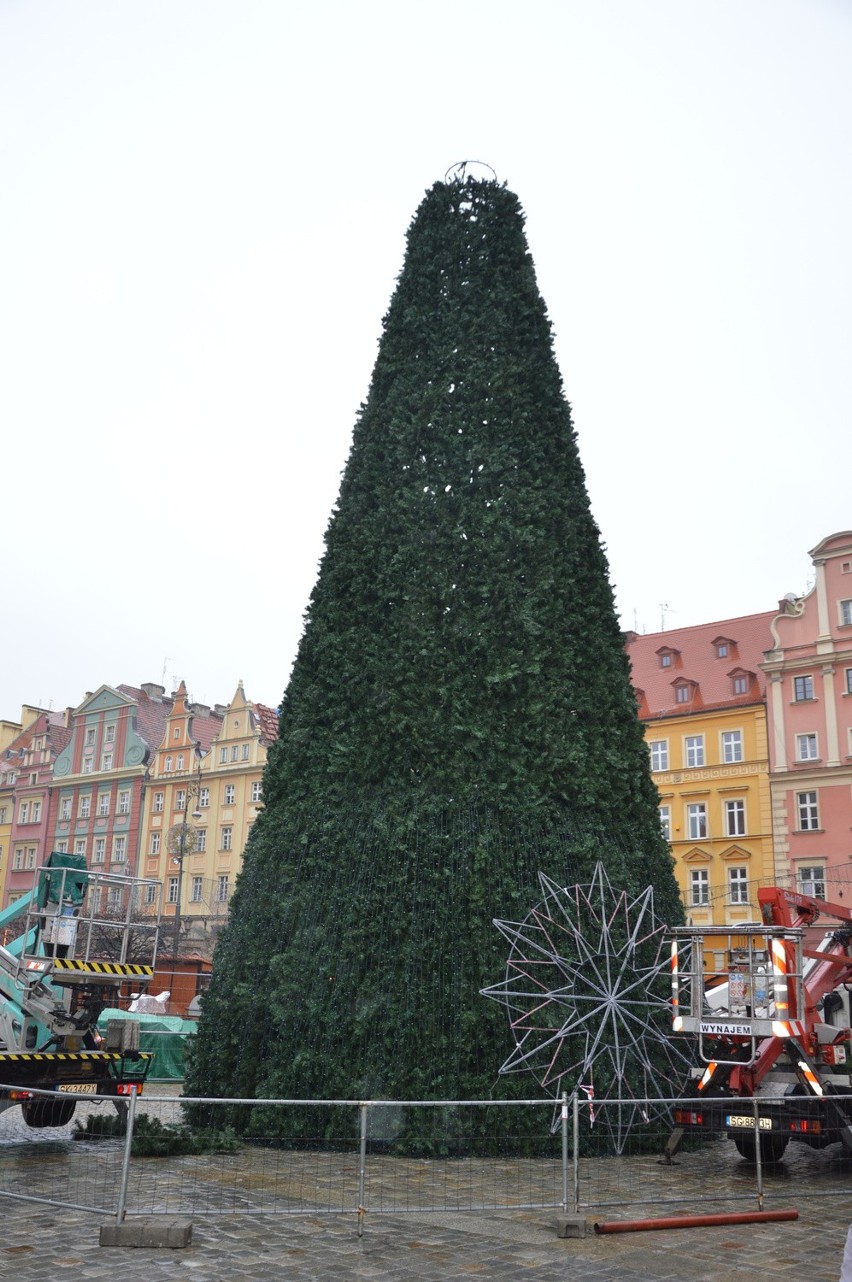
51,1056
101,968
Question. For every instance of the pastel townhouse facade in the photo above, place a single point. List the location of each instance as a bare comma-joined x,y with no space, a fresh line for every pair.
204,794
701,698
25,788
99,777
808,670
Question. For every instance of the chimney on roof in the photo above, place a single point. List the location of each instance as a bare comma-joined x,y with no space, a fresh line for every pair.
199,709
220,709
69,713
153,691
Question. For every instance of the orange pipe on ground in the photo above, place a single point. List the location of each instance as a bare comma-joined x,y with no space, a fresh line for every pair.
694,1221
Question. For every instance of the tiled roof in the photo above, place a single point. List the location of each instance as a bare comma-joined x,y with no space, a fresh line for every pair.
696,663
268,719
151,717
204,729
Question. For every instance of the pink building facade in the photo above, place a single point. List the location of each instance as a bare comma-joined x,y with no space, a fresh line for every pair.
27,771
809,710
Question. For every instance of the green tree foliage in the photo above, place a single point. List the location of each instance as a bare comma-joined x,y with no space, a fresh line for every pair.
459,715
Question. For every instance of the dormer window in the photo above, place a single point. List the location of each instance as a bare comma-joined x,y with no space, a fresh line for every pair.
741,681
667,656
724,647
682,693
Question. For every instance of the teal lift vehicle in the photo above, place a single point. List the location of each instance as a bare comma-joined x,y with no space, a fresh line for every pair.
70,943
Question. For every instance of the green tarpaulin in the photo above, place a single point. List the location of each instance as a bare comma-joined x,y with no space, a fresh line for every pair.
165,1035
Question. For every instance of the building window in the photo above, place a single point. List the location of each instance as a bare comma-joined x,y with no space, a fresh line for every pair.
738,885
849,680
682,693
168,765
222,887
204,798
24,812
803,688
180,799
230,794
85,808
666,822
807,811
721,649
90,737
699,886
103,803
106,761
245,753
34,779
223,756
62,847
155,843
109,734
812,880
80,846
36,812
227,838
30,857
732,745
257,788
694,750
119,849
659,749
123,807
18,859
200,840
235,752
176,732
735,819
180,761
195,892
696,820
114,899
88,765
2,814
846,613
150,894
807,748
665,660
99,850
741,683
65,808
172,892
159,798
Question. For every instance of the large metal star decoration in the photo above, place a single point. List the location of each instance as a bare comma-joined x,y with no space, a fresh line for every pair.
586,995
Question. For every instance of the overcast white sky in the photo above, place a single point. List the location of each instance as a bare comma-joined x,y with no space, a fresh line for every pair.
202,214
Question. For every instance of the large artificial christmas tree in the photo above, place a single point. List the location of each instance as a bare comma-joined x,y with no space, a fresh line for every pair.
459,716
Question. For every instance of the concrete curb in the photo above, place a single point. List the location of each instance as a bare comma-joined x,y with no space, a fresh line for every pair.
149,1232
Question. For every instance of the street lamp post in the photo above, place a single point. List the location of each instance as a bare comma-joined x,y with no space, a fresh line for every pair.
192,790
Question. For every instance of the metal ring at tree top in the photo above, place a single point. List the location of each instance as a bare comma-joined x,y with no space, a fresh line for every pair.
458,173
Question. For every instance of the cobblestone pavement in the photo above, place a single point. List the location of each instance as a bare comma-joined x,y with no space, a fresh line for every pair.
44,1241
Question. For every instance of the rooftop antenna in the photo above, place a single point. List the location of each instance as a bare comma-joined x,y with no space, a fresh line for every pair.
166,659
664,608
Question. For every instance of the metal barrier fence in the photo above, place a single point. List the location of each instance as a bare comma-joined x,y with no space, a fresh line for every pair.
332,1157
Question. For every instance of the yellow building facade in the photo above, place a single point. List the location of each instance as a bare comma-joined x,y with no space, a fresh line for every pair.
203,794
702,703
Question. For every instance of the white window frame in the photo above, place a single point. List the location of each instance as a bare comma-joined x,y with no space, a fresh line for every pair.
65,808
109,733
807,811
845,609
24,812
200,841
80,844
159,803
732,746
738,885
694,751
803,688
245,753
99,850
735,817
103,804
203,798
658,750
172,890
106,761
89,741
154,848
123,805
811,879
696,820
257,791
682,692
119,849
699,887
230,794
223,888
810,740
84,810
227,838
196,891
665,813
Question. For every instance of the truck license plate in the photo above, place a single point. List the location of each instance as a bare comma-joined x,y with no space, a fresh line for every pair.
79,1088
740,1122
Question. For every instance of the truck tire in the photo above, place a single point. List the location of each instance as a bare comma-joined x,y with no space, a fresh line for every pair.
771,1147
39,1113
